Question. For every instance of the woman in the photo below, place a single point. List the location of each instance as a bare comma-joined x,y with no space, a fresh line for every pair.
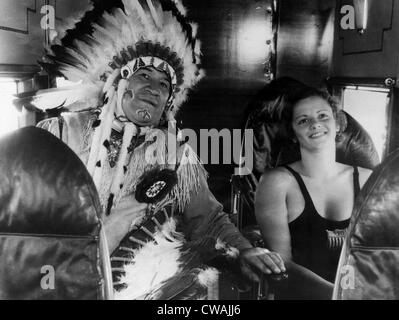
304,208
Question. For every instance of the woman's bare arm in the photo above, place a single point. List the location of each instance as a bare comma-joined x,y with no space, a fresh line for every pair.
272,216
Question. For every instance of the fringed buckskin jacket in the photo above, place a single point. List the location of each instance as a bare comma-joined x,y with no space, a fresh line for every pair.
163,255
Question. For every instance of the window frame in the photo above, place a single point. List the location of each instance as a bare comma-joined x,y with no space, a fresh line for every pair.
336,86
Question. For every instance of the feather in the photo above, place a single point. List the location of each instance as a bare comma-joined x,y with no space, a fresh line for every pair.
73,98
130,131
183,286
180,7
111,79
135,6
96,140
70,22
154,14
208,277
105,132
153,264
194,27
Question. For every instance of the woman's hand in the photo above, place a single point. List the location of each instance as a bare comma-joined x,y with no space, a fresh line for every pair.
261,260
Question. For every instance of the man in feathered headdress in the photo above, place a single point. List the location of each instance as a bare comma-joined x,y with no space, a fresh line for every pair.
135,69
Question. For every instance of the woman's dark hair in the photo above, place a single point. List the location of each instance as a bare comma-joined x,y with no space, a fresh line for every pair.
269,103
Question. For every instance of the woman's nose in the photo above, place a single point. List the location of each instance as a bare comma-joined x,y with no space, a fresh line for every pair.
315,124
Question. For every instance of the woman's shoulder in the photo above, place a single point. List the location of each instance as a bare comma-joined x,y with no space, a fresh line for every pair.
273,190
364,173
279,178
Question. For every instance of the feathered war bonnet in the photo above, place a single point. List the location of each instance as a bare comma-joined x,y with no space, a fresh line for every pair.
146,33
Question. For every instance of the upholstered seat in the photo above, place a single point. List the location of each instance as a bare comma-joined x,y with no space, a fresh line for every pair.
52,245
369,263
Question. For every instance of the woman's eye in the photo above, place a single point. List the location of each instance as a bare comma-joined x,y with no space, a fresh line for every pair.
323,116
302,121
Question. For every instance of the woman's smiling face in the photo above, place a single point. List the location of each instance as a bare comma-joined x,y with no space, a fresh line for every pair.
313,122
147,96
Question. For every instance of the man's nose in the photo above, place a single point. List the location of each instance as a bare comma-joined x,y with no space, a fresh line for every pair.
154,88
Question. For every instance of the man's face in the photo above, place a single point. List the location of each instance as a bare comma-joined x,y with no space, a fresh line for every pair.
147,98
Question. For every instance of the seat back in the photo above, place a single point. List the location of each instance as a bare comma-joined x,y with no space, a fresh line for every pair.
369,262
52,245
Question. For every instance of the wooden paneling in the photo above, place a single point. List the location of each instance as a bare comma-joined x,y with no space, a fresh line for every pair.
373,53
15,15
304,40
233,59
21,36
233,34
372,40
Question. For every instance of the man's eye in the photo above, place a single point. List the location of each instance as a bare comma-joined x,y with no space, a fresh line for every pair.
145,76
165,85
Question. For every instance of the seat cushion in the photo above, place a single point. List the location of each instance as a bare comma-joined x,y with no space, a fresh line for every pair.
369,264
49,221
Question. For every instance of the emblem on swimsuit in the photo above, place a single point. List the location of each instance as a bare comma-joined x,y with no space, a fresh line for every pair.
336,238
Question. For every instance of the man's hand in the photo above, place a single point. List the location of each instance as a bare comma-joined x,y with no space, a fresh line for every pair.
262,260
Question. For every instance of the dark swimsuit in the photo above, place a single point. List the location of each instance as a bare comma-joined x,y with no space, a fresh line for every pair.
316,241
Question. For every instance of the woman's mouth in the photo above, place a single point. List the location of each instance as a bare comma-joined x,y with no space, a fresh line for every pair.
317,134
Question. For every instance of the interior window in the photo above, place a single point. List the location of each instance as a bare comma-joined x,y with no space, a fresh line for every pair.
369,106
8,113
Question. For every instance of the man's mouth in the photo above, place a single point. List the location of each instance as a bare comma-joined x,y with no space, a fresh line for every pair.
144,114
150,101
